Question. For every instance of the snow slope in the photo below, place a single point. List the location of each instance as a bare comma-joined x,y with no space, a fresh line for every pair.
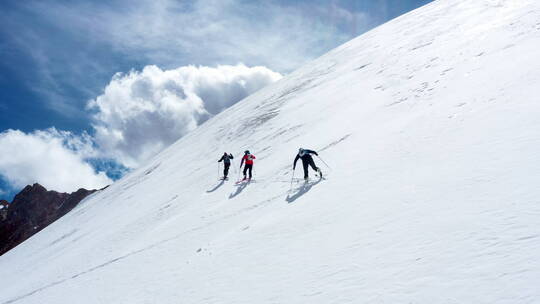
431,126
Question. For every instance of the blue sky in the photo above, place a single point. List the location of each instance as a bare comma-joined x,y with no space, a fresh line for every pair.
56,56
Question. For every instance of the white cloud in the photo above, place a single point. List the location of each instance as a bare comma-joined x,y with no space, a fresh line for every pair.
170,32
55,159
140,113
226,31
99,38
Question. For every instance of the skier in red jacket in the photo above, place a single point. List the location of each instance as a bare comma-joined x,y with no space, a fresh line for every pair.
248,158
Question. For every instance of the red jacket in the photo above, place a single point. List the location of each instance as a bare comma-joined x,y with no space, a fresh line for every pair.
248,158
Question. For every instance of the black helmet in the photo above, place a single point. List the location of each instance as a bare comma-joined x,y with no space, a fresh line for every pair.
246,152
301,150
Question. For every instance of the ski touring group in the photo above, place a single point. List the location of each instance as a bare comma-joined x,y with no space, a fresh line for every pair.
247,162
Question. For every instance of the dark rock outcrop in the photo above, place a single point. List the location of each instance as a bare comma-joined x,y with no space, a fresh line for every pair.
3,210
33,209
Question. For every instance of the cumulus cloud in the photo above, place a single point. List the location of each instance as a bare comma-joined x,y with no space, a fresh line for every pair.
140,113
99,38
55,159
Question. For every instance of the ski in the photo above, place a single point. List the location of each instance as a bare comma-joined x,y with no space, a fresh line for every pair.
245,181
297,180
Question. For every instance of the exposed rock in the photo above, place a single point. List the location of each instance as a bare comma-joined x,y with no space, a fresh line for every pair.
33,209
3,210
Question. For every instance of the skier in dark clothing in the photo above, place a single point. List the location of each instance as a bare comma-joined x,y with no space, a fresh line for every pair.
307,161
226,159
248,158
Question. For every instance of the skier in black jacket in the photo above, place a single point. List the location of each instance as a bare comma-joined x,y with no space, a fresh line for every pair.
226,158
307,160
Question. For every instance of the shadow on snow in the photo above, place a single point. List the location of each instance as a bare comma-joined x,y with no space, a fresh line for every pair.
216,187
239,189
300,191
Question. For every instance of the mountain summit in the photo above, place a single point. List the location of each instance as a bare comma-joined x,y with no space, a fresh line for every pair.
429,125
31,210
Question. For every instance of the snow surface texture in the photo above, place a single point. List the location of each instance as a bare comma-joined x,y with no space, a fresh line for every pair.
431,126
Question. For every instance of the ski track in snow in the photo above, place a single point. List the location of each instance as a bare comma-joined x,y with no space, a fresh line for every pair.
429,126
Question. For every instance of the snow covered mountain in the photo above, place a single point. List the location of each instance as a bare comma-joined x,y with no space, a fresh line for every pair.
431,126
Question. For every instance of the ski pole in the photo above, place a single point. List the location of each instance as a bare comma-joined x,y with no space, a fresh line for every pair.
324,162
218,167
292,179
233,164
239,169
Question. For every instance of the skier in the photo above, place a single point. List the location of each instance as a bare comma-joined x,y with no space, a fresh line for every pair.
248,157
226,158
307,160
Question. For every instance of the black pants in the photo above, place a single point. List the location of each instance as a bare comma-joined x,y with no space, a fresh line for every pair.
226,169
306,163
246,168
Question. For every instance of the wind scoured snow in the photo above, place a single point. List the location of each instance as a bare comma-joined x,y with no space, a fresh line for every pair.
431,126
